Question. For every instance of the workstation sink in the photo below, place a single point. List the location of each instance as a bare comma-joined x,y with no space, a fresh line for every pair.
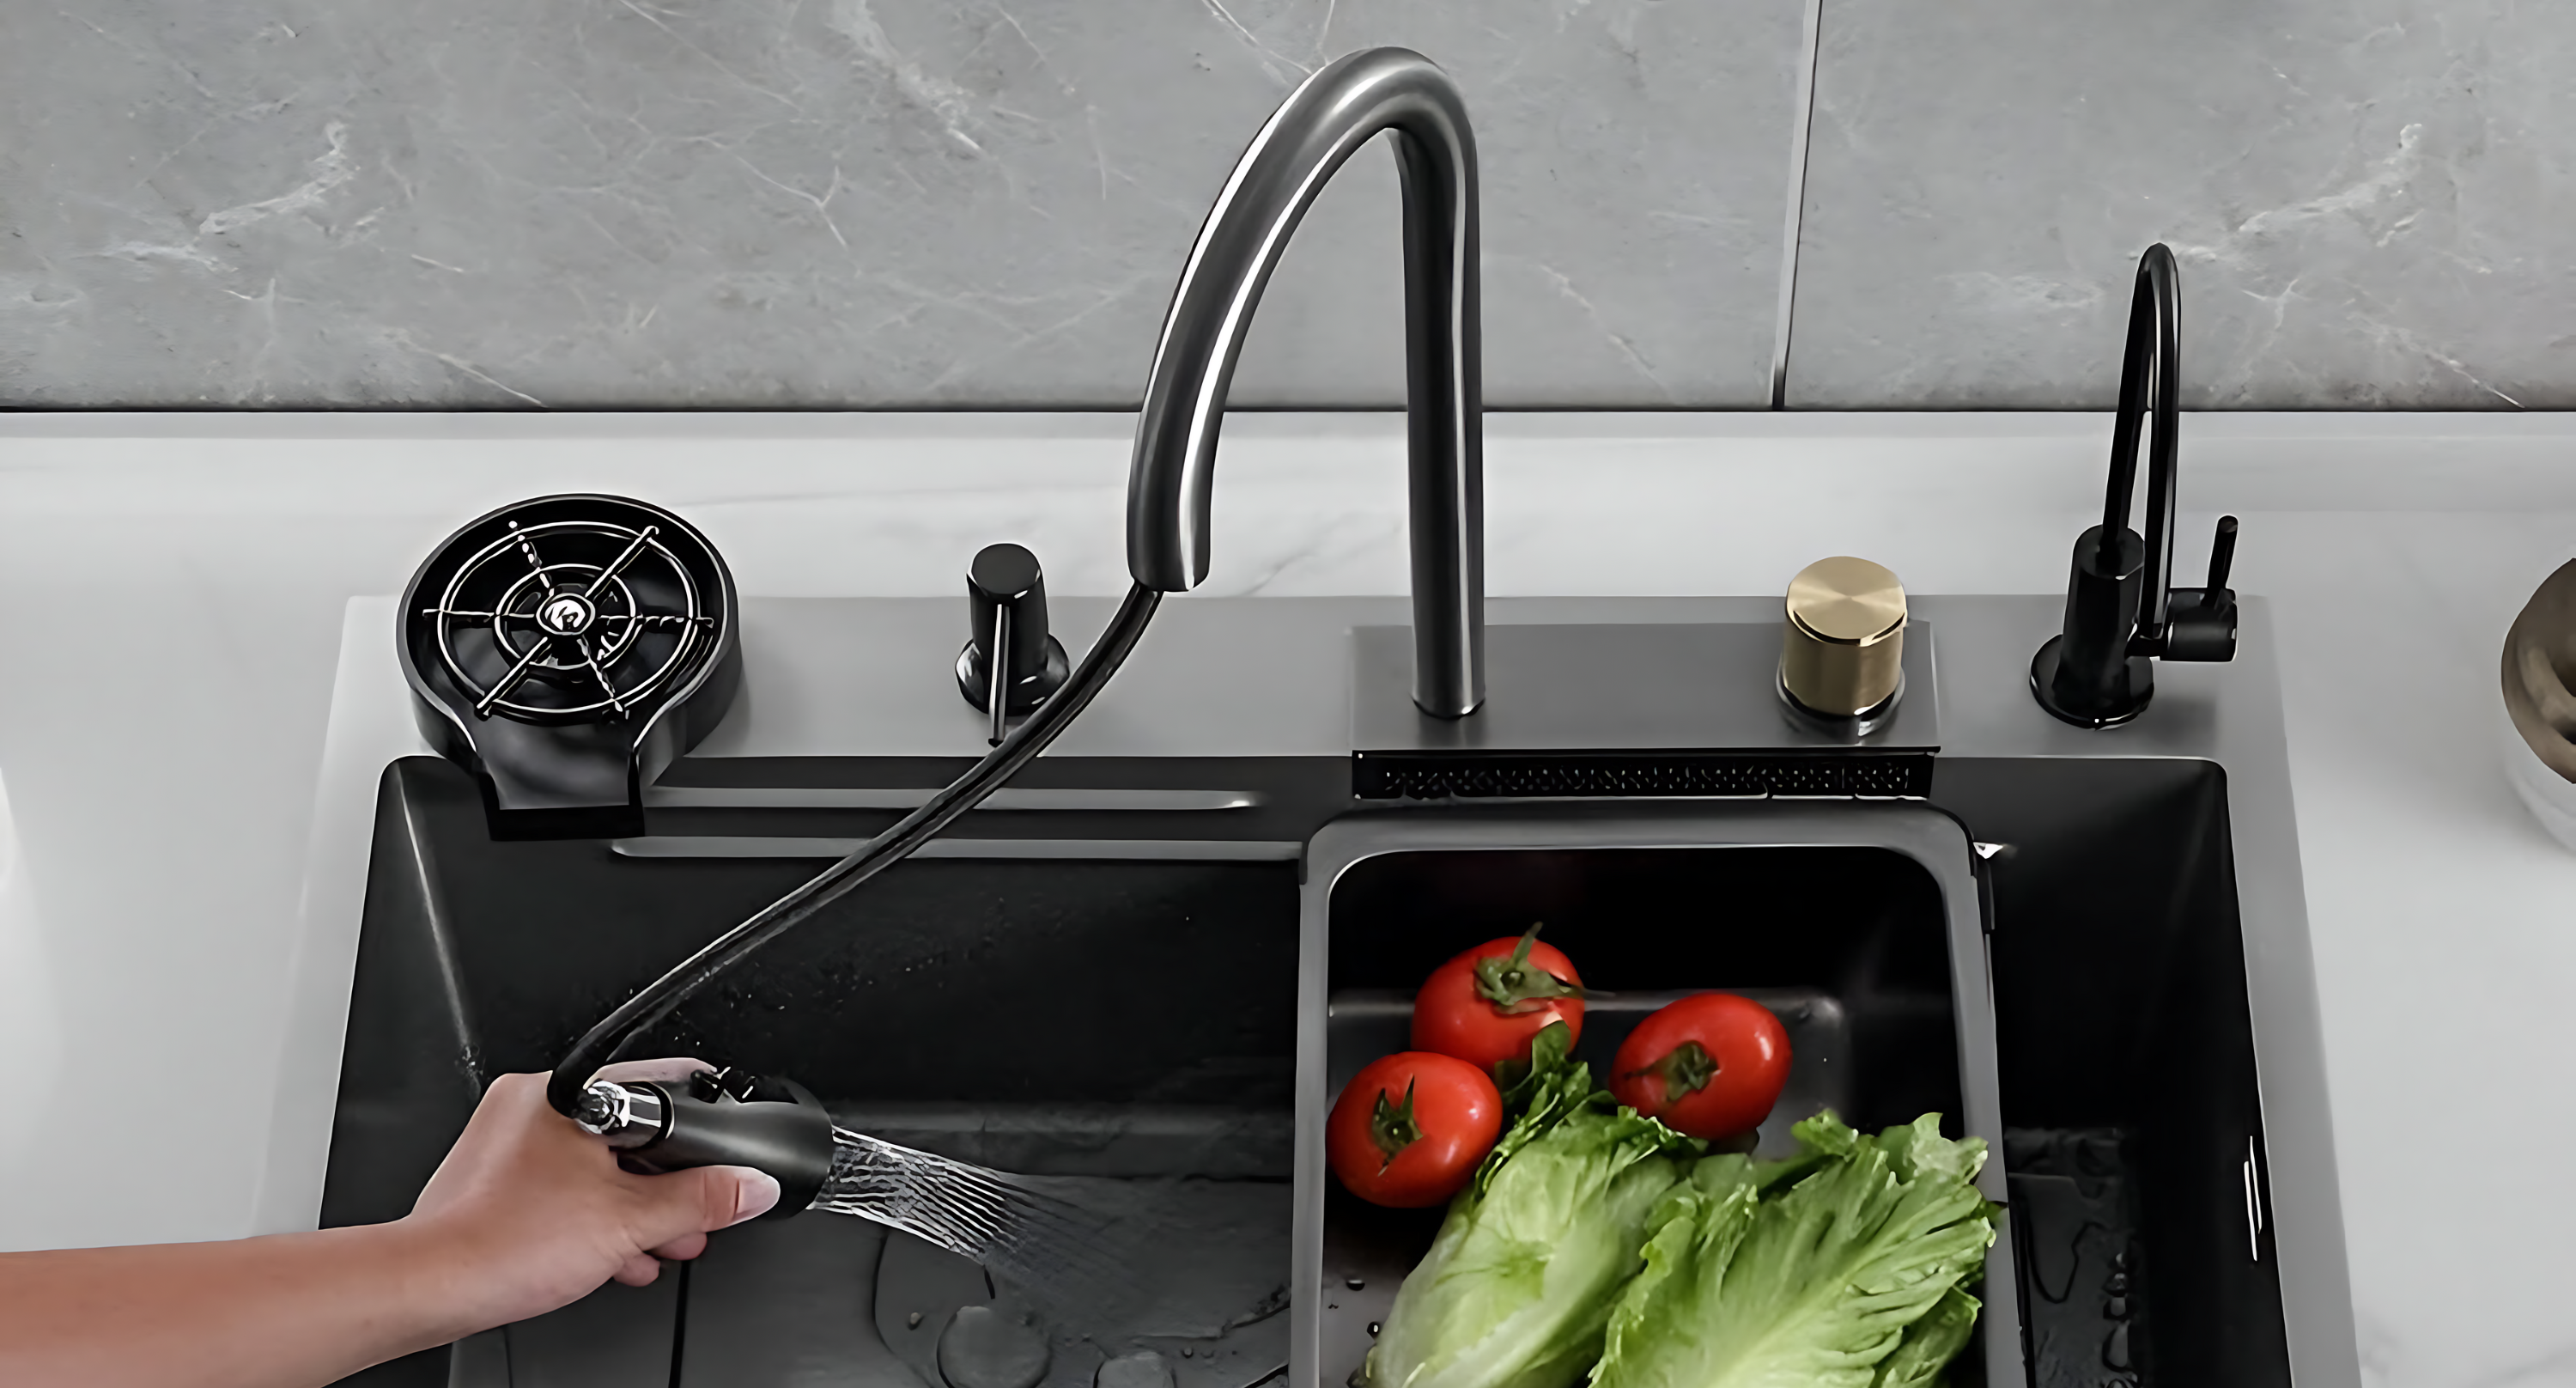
1111,978
2034,885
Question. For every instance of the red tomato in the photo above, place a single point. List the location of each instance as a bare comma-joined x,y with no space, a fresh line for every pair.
1710,1065
1485,1005
1410,1128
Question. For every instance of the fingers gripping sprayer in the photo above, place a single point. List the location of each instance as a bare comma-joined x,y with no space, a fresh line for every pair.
716,1118
728,1118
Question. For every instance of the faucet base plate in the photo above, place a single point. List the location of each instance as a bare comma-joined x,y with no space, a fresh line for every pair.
2138,689
1624,710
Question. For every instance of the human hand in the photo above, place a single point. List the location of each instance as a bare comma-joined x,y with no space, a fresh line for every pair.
529,1213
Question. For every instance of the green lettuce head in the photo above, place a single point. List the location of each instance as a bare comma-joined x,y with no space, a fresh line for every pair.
1517,1288
1844,1267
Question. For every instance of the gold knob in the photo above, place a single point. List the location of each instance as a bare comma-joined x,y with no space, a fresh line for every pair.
1844,643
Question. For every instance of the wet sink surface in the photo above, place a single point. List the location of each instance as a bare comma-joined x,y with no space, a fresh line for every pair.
1136,1020
2134,1122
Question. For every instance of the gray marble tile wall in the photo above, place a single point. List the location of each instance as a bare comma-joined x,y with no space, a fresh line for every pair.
983,203
2372,202
858,203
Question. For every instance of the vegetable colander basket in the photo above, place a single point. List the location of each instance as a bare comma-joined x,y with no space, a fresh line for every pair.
1858,924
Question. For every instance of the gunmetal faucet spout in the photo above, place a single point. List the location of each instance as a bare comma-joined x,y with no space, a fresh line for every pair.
1330,115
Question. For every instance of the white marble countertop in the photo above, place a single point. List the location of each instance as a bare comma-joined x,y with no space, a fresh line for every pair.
172,589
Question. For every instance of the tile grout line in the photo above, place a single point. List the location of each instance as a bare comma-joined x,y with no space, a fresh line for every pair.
1802,125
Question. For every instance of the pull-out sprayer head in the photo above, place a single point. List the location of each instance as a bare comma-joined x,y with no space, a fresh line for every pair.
716,1118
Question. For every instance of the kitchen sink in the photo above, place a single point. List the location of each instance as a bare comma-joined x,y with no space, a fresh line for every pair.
1147,967
1142,968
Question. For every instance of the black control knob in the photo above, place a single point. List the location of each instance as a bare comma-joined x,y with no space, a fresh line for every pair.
1007,591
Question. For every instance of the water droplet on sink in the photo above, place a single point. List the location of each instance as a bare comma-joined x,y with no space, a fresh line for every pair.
1356,1283
1374,1327
2117,1308
1145,1369
2115,1351
2117,1284
913,1321
987,1348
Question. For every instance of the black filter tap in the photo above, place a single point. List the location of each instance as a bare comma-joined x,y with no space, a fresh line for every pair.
2122,611
1006,592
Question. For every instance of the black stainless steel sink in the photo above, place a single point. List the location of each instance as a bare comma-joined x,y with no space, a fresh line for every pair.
1128,1015
1103,1018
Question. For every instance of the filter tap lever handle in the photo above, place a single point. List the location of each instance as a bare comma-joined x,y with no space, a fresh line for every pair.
2222,553
2202,626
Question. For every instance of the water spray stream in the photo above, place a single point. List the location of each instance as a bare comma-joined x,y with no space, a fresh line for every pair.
1017,1228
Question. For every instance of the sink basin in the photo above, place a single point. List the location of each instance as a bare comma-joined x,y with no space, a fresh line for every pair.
2134,1126
1101,1019
1103,982
1859,924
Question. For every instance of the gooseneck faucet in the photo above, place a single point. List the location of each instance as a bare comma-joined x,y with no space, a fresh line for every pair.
1341,107
2121,608
1331,114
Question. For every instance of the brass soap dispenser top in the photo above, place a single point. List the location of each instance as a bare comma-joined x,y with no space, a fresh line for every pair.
1842,647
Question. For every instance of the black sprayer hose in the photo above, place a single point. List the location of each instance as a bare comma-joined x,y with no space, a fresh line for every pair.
608,1040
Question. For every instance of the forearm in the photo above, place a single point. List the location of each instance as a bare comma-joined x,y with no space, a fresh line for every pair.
276,1312
528,1213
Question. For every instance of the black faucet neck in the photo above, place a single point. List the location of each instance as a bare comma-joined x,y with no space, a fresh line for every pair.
2150,392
